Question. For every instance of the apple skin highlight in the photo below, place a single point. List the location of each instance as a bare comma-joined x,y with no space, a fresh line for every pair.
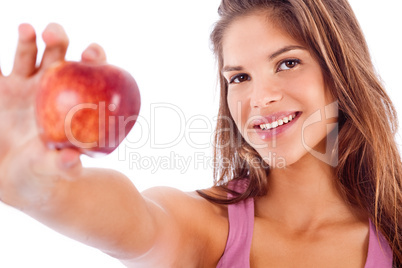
90,108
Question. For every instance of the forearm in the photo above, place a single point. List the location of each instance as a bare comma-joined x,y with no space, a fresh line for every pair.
101,208
98,207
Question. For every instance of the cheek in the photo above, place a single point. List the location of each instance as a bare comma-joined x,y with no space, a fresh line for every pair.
309,90
320,113
231,104
320,129
237,109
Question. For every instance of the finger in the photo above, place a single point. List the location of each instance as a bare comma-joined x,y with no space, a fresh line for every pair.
25,56
56,41
94,54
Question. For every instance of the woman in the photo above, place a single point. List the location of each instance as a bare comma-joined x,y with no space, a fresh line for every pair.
321,63
305,154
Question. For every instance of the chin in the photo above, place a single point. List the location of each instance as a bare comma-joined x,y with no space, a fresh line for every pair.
277,160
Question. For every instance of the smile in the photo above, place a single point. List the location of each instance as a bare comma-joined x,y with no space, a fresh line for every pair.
274,121
268,128
278,122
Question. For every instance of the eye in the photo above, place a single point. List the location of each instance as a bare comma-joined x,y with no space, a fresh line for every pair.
288,64
239,78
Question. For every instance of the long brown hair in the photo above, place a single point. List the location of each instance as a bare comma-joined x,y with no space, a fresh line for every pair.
369,165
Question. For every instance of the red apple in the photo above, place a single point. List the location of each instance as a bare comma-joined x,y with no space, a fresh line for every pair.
88,107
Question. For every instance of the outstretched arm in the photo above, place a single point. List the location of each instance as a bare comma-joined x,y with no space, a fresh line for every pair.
97,207
159,228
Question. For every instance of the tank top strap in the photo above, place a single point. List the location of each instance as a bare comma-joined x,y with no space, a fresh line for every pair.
241,225
379,252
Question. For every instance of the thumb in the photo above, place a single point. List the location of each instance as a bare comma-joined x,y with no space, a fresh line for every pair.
68,159
58,162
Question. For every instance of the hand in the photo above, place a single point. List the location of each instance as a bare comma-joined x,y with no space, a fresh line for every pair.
21,151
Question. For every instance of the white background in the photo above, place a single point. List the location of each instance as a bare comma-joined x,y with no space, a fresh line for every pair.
165,46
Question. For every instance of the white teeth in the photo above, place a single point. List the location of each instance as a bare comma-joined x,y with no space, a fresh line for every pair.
277,123
265,126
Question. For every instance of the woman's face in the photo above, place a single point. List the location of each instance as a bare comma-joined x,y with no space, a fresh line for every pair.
276,92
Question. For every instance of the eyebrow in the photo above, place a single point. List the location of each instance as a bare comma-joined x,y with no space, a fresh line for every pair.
271,57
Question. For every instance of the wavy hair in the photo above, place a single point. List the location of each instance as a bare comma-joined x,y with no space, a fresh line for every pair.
369,165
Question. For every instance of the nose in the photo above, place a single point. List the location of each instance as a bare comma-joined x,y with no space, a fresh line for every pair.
265,93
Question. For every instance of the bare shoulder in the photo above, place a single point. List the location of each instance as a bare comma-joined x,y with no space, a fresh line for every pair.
198,226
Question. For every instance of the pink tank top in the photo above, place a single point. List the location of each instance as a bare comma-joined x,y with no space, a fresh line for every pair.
241,224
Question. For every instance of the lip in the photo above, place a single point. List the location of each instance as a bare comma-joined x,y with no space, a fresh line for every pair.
275,132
